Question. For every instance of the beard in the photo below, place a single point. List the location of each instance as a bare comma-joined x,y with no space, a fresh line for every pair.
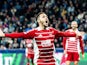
45,24
74,28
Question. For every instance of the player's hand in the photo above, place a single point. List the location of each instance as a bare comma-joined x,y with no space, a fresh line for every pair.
83,56
1,33
65,52
78,34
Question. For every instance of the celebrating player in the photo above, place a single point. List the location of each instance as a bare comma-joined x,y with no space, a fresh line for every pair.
72,45
44,39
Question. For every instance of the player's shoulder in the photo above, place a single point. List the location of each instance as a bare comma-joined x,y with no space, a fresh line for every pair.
51,28
37,29
48,28
68,30
32,30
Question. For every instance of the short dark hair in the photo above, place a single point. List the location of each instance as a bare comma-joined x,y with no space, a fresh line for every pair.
39,14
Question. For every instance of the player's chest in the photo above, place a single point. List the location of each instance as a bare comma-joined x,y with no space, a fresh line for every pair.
44,35
44,39
73,39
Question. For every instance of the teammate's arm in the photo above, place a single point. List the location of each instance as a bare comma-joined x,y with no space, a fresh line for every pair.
64,44
81,46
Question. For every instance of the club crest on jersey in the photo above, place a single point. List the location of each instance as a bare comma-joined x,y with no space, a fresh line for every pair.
46,43
40,35
72,39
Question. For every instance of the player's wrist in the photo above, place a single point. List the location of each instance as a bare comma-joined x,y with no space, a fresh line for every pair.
65,51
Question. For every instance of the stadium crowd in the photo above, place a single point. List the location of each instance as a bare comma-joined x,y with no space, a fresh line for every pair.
20,15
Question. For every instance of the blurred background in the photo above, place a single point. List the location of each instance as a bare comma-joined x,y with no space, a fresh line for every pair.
20,16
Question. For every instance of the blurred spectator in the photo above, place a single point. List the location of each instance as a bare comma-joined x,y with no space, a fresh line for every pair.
71,8
22,44
2,47
85,39
3,41
15,44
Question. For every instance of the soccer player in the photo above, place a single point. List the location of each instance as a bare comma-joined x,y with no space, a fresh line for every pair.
72,45
44,40
29,51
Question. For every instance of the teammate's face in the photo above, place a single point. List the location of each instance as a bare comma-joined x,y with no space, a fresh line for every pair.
43,19
74,25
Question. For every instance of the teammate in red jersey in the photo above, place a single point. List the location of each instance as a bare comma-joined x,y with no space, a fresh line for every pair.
72,45
29,51
44,40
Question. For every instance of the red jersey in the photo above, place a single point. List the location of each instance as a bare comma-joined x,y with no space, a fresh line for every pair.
29,49
73,44
44,43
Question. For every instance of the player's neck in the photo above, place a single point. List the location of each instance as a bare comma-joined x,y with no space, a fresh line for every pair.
75,29
42,27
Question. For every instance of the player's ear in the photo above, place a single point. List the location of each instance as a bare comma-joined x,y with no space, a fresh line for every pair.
77,25
38,19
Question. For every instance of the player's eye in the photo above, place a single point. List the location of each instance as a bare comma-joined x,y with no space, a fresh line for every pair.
43,16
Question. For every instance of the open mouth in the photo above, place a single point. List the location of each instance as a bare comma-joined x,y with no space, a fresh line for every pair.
46,21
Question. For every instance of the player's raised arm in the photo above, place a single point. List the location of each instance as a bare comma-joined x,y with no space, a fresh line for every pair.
66,34
15,35
29,34
11,35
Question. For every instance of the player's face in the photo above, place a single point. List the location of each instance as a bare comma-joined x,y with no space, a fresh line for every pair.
74,25
43,19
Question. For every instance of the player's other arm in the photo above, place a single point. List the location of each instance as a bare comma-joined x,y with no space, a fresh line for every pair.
64,44
66,34
81,46
29,34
